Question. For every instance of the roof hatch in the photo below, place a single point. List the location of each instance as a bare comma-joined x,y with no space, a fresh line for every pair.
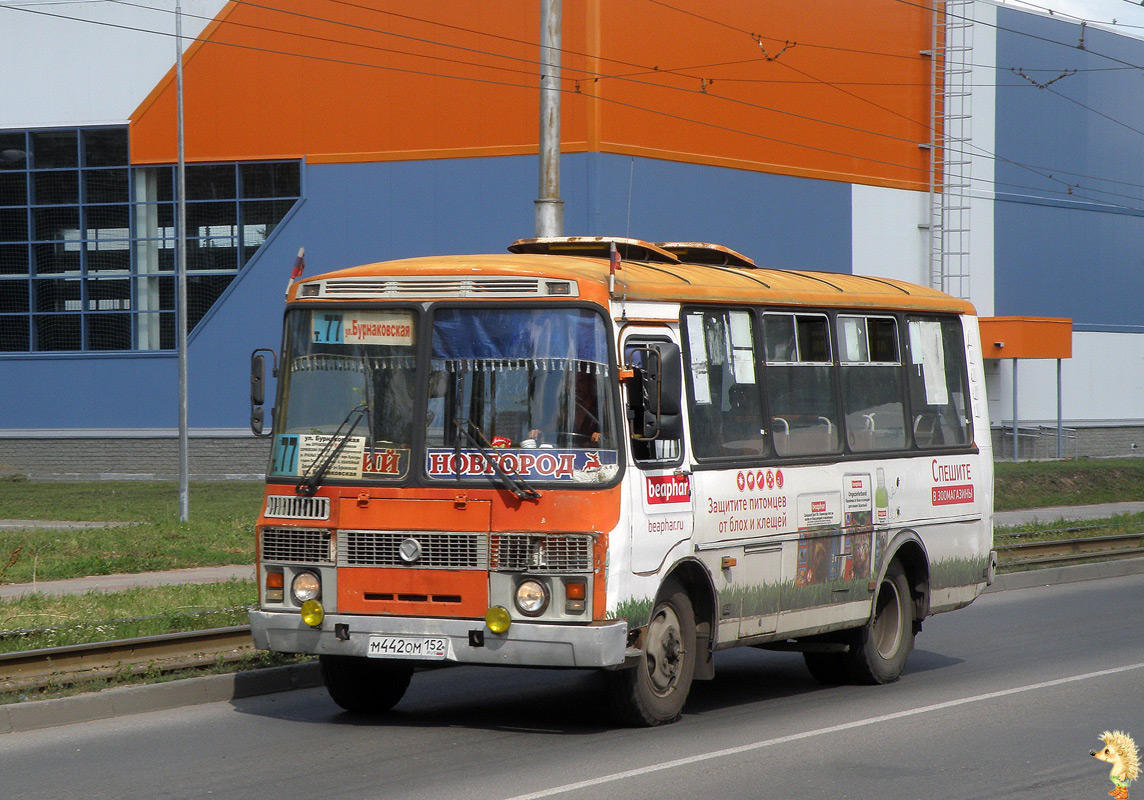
594,247
715,255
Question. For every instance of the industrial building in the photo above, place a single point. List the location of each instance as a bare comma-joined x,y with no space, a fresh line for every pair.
989,150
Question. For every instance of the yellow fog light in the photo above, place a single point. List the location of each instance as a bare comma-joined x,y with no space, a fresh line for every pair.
498,619
313,613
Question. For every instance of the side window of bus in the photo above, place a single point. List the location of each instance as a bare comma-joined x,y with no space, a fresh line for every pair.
726,408
799,385
939,394
660,451
872,396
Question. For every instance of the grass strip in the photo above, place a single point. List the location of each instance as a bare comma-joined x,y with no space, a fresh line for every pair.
1040,484
219,532
1059,530
38,620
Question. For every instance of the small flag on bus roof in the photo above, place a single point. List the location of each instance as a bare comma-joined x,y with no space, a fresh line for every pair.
614,256
299,268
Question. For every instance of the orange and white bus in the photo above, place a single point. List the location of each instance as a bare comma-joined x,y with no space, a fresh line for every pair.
612,454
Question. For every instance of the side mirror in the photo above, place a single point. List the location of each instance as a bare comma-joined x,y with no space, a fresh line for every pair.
660,386
258,388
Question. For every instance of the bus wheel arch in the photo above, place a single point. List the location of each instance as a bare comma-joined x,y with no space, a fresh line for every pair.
880,648
911,554
654,690
697,582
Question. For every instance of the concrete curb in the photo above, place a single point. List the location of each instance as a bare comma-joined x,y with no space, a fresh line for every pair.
128,700
1051,576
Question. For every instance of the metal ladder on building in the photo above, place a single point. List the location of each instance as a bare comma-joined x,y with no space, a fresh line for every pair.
951,137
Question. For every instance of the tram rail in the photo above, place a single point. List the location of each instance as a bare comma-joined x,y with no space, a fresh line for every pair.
1017,554
168,652
70,664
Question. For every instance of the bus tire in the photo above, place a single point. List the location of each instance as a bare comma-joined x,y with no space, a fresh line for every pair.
878,654
363,685
655,690
829,669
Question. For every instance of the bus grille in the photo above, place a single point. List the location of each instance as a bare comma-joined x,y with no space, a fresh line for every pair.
297,545
445,286
295,507
438,550
528,553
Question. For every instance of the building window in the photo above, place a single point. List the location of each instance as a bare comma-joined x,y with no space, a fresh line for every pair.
87,242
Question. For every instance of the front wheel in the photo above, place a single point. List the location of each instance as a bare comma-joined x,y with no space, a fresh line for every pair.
363,685
654,691
880,650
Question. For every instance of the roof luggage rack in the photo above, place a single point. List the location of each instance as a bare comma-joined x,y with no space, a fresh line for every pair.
715,255
594,247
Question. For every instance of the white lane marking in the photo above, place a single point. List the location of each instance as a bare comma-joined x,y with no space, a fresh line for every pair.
794,737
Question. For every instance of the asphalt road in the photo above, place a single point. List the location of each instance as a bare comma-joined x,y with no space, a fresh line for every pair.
1003,699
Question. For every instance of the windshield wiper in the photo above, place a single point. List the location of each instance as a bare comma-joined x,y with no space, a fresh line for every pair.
330,452
514,483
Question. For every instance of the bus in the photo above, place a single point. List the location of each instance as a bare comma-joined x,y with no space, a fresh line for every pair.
610,454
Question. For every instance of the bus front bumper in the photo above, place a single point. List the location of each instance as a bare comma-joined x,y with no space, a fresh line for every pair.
531,644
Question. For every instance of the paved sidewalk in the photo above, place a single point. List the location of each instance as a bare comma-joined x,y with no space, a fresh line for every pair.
56,525
1056,513
114,583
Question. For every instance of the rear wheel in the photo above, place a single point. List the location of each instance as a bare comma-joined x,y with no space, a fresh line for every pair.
653,693
365,685
880,650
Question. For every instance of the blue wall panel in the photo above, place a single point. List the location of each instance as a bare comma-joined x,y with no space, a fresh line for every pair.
89,392
780,221
1060,262
359,213
1070,173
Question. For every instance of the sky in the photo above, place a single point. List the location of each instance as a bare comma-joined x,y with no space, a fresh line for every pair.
1128,14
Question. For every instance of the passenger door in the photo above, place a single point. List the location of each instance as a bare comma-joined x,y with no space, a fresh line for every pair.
661,492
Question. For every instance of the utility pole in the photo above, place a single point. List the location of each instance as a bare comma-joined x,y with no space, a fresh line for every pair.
181,276
549,206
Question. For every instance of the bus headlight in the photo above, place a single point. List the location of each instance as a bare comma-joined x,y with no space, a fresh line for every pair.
305,586
531,597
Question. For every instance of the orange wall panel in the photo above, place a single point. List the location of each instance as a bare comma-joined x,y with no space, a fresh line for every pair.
339,81
829,89
824,89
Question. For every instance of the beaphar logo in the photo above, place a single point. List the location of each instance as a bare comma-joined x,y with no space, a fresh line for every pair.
668,489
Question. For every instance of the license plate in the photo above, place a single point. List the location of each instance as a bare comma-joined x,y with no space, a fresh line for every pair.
428,647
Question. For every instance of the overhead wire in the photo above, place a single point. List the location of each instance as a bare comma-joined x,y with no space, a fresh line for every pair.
732,100
529,86
1069,189
642,69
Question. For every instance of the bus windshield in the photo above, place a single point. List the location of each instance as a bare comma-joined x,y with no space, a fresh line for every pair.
517,380
348,399
528,388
